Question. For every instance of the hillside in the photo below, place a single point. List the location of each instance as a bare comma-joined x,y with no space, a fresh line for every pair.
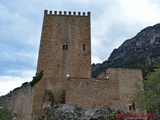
142,51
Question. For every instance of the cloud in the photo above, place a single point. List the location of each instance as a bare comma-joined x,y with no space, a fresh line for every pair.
142,11
12,83
119,22
15,79
112,22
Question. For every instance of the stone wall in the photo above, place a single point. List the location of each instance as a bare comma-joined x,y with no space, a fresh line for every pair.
91,93
128,80
112,88
19,102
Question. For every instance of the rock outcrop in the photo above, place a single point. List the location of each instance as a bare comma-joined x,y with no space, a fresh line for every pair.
74,112
137,52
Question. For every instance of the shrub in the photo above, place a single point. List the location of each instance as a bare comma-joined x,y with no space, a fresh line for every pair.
5,114
36,78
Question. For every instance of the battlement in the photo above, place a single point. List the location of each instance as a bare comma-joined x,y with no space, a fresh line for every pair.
60,13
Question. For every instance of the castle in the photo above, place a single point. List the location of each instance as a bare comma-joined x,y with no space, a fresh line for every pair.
65,59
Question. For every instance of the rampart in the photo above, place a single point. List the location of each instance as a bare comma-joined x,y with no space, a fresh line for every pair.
114,89
19,102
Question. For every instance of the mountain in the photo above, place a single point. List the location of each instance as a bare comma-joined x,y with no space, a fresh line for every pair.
142,51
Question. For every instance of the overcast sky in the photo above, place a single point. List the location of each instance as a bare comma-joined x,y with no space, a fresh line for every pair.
112,22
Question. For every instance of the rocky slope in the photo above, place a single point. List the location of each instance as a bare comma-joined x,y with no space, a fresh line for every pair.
137,52
74,112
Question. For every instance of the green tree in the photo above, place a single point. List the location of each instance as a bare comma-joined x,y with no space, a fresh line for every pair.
5,114
149,98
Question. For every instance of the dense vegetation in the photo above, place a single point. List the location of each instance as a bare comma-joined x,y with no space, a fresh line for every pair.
150,97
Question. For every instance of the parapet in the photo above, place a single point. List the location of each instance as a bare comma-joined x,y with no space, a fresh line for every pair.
60,13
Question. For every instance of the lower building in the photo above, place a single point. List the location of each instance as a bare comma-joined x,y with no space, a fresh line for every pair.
113,88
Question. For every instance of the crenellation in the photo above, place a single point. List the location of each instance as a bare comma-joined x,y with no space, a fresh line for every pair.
55,12
88,13
60,13
69,13
45,12
50,12
65,13
79,13
83,13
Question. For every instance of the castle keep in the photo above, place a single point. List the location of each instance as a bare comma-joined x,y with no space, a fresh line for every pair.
65,51
65,59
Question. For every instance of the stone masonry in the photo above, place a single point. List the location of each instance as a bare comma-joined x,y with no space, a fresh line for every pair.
65,51
19,102
113,89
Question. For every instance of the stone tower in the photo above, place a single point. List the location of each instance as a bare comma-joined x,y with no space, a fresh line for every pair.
65,51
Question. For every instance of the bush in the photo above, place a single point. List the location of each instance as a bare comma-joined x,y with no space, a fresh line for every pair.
36,78
5,114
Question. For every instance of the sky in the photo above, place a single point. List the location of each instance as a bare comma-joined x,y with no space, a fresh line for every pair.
112,22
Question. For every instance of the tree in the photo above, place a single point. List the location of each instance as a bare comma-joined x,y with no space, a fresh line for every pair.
149,98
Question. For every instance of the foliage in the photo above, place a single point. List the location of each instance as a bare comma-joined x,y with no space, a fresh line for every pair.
146,70
25,83
143,59
39,118
62,97
5,114
1,102
36,78
150,97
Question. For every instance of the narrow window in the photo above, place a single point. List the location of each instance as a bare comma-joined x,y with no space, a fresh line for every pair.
84,47
66,46
63,47
130,106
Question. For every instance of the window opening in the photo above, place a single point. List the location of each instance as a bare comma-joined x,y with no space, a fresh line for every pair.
130,106
65,47
84,47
